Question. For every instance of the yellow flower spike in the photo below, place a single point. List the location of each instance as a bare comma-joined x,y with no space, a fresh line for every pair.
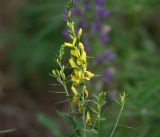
88,118
89,74
79,33
74,100
72,63
70,45
75,92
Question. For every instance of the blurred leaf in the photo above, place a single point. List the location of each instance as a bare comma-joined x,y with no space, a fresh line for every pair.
50,124
67,118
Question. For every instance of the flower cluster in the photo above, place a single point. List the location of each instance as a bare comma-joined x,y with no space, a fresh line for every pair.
78,63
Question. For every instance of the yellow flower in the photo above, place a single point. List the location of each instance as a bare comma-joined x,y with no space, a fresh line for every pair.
74,100
68,44
84,67
89,74
80,108
75,80
72,63
71,45
81,46
75,52
79,62
88,118
86,92
84,56
79,33
75,92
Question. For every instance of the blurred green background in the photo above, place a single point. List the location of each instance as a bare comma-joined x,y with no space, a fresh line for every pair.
30,37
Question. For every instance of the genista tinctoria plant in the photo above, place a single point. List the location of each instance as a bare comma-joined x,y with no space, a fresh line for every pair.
85,117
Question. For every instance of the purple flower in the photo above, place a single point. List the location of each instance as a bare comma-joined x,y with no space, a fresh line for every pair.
87,5
104,38
102,12
108,75
65,15
100,2
78,12
75,1
96,25
65,33
84,25
109,55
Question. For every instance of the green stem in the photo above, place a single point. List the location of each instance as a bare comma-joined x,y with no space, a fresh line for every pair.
99,116
84,115
118,118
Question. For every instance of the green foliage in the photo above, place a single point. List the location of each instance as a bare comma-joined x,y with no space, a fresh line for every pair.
49,124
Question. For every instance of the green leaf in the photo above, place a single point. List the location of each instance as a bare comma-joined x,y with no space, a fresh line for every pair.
67,118
50,124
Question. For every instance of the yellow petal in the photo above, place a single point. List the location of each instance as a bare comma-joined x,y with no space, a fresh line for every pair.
75,92
86,78
69,45
74,42
74,100
84,67
79,33
79,62
81,46
76,73
84,56
86,92
72,63
73,52
80,108
89,74
88,118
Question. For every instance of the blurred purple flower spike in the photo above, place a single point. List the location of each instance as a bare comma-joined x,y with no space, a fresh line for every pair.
108,75
75,1
100,2
65,33
102,12
78,12
104,38
84,25
87,5
65,15
96,25
109,55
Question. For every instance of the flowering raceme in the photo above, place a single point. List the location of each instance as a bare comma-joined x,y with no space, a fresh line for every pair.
78,61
